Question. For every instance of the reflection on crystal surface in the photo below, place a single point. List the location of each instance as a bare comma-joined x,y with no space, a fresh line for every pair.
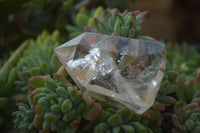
122,71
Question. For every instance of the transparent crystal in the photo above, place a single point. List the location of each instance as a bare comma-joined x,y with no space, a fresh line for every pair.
118,70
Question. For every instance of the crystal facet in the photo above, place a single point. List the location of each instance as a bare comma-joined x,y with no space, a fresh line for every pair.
118,70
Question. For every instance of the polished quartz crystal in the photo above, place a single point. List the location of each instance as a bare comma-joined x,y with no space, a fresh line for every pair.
118,70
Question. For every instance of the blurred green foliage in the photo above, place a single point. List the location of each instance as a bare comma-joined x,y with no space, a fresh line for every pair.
21,19
27,18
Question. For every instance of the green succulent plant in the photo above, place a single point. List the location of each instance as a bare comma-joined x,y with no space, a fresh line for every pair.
126,24
186,117
110,21
81,19
24,117
49,105
38,59
8,74
186,89
6,87
180,60
30,59
112,120
54,105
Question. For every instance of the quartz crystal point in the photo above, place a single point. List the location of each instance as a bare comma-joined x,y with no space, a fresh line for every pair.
118,70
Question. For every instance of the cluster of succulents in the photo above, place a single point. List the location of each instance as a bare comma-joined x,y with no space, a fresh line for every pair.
126,24
29,60
186,117
118,121
180,60
56,105
110,21
52,106
38,95
38,59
